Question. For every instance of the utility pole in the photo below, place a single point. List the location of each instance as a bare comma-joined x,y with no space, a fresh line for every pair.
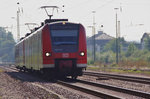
93,37
18,26
119,46
93,32
116,36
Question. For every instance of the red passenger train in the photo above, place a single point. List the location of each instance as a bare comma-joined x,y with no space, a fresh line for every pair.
56,48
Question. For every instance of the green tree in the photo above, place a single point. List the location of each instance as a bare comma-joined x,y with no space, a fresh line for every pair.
111,46
6,46
131,49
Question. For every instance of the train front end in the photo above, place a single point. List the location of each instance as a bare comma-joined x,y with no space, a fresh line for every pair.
65,48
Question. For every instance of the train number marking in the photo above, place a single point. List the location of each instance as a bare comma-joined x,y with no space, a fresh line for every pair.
65,55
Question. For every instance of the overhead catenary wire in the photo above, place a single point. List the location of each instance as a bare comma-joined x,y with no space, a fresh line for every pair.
97,9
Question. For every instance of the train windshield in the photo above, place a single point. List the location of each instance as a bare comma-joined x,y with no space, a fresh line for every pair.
64,40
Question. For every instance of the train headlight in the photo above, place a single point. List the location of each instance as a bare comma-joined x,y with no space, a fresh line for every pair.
48,54
82,53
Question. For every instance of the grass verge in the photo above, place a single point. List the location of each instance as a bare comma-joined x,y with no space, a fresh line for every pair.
1,70
107,69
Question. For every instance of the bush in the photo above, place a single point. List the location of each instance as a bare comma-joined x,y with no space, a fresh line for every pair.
132,58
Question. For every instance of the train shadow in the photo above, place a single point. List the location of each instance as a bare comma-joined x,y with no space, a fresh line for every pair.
31,77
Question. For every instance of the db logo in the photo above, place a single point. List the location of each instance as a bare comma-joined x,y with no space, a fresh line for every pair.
65,55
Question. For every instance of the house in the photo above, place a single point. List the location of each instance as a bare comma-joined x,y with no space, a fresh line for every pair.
144,37
101,39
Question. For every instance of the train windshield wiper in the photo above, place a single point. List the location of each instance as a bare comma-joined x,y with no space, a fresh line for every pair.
64,43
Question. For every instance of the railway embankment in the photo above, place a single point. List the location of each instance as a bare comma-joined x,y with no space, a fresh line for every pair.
12,88
20,85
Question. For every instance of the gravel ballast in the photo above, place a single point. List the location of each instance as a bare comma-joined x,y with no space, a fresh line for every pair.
19,85
11,88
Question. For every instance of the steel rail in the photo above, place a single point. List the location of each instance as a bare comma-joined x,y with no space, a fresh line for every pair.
92,92
110,87
88,91
118,89
120,77
34,84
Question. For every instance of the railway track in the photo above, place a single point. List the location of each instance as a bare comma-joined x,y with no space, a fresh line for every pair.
13,69
116,90
93,89
85,90
88,90
120,77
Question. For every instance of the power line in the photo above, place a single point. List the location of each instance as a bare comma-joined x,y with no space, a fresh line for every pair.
78,5
108,2
101,6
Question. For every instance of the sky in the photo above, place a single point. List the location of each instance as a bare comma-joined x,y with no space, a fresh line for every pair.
133,15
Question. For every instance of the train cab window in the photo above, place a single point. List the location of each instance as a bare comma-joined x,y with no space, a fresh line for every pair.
64,40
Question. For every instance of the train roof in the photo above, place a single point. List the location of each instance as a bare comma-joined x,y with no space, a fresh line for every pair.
47,22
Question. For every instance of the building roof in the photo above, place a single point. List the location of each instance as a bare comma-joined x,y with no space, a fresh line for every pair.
102,36
145,35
